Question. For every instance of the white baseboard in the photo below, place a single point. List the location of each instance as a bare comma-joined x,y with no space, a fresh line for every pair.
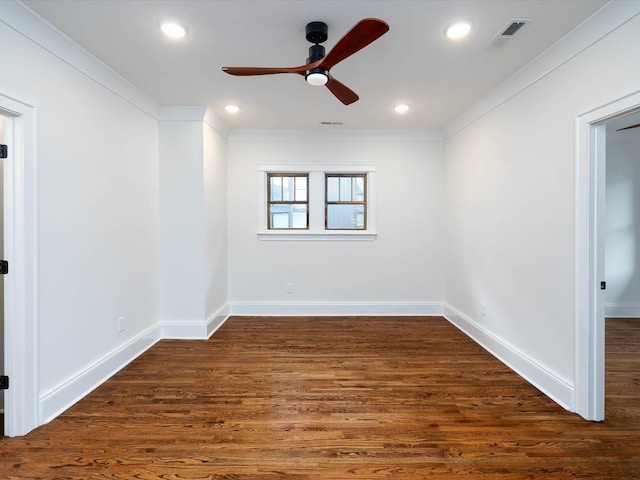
57,400
194,329
622,310
321,309
551,385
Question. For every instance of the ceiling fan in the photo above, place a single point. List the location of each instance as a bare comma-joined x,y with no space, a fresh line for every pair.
316,70
629,127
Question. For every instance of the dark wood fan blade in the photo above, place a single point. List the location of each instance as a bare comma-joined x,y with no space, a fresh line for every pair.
247,71
629,127
342,92
362,34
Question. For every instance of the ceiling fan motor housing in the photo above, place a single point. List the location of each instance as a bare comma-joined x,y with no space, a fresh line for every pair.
316,52
317,32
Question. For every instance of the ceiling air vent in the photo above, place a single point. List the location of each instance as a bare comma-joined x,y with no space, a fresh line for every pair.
509,31
512,29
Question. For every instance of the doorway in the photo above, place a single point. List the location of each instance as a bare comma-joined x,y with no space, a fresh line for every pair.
3,119
19,122
622,226
590,278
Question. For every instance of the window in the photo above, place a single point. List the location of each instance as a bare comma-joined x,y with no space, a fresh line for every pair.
306,201
288,201
345,202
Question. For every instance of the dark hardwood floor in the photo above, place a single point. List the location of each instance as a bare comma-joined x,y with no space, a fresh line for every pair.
335,398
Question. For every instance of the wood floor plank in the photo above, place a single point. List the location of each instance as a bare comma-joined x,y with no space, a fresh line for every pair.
335,398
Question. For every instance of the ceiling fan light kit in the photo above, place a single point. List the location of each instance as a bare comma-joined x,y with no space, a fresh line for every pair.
316,70
317,78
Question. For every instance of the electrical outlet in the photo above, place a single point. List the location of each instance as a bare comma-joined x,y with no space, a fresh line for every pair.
483,309
121,324
288,287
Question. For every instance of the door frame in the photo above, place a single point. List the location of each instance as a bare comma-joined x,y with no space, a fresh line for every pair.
21,284
590,203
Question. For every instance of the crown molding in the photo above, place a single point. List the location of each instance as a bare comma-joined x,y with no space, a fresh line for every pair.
610,17
27,23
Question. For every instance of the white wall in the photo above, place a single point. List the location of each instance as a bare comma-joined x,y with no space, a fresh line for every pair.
215,222
97,158
402,267
509,204
193,235
182,226
622,254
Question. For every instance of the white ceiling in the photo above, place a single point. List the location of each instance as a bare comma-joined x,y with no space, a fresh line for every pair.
413,63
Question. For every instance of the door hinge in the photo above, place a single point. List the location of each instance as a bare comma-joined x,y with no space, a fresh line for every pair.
4,267
603,285
4,151
4,382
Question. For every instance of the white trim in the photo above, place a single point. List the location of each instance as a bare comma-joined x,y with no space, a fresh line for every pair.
589,253
622,310
322,309
182,114
370,136
193,329
604,21
544,380
325,235
21,286
58,399
216,123
217,320
328,167
29,24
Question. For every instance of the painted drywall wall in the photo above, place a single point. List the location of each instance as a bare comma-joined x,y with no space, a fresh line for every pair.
509,203
98,210
622,255
182,222
215,221
193,236
402,266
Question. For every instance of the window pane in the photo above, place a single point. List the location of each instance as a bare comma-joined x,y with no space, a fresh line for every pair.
299,216
333,189
345,217
287,216
359,189
345,189
301,189
275,188
288,189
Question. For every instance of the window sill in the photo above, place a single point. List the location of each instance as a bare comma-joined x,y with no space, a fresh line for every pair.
314,236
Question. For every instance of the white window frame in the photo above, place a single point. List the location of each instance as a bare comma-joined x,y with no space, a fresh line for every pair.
316,194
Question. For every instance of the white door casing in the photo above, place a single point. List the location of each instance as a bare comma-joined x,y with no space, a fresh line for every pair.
21,284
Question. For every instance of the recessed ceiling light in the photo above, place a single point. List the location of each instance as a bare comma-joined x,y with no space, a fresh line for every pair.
458,30
173,30
232,108
402,108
